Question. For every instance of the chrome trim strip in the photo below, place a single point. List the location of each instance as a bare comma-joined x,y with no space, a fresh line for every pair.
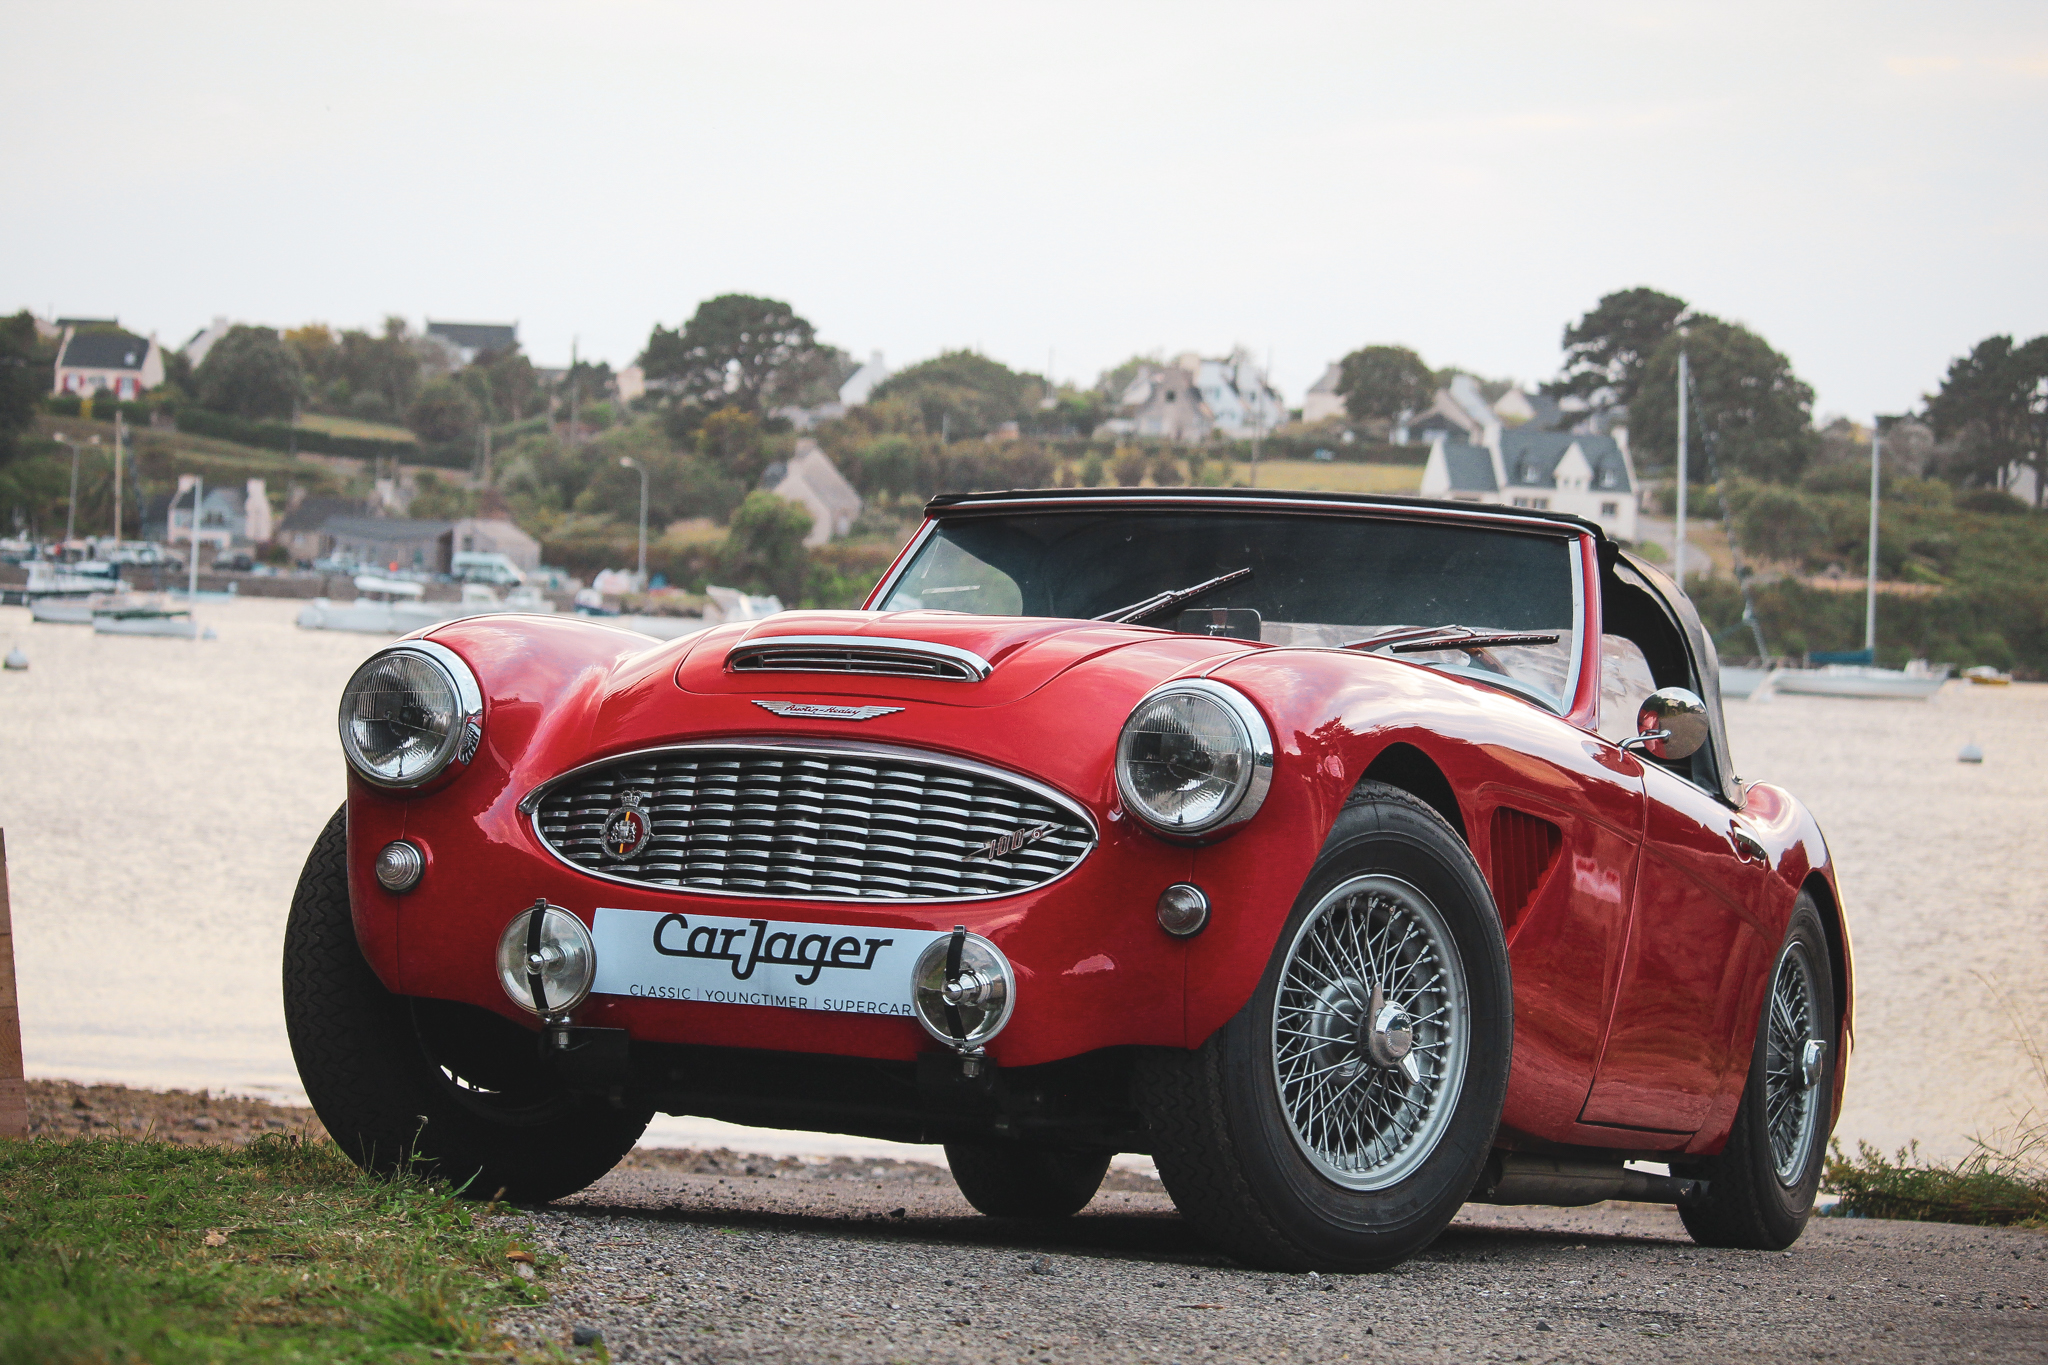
977,667
1584,546
529,806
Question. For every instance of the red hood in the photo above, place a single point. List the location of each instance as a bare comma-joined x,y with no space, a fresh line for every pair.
1024,653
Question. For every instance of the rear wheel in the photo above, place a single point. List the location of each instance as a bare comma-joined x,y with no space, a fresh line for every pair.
429,1085
1340,1120
1026,1180
1761,1187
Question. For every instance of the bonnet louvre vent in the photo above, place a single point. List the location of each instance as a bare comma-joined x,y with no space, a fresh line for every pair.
856,654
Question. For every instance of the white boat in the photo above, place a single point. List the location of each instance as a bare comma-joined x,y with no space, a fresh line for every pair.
661,627
370,616
176,625
47,580
1917,681
76,611
1740,683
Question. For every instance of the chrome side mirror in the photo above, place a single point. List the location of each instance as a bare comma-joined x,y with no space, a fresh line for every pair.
1671,725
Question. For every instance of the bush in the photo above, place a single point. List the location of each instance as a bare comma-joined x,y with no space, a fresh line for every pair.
1129,468
764,551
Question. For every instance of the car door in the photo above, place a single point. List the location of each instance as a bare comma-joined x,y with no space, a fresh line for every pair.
1666,1056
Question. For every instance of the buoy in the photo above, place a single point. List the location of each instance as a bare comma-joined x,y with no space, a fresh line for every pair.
17,661
1970,754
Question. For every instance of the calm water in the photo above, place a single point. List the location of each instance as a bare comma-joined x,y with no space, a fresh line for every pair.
158,797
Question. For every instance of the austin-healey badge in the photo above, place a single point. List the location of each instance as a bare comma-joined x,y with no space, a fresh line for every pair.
627,829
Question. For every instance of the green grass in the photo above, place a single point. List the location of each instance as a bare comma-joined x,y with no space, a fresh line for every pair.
1987,1188
130,1251
350,426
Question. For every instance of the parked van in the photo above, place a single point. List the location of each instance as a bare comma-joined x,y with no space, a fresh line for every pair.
477,566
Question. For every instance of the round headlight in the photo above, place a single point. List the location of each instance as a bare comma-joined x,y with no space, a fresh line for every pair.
549,943
408,713
1194,757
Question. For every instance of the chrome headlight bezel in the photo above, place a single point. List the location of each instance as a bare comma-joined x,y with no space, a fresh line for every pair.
1256,747
457,748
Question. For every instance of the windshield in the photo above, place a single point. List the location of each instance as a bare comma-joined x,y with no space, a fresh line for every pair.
1315,580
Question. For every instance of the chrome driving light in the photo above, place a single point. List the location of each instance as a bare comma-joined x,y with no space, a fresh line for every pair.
400,866
546,960
1183,909
1194,758
963,989
409,712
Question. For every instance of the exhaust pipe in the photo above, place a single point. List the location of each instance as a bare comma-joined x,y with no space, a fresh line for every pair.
1523,1178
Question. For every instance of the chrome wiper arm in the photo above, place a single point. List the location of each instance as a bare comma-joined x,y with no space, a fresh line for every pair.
1165,601
1399,633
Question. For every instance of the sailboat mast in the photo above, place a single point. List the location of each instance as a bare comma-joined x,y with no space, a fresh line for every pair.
1870,588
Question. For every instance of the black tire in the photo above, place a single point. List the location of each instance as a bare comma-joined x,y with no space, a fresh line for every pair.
1750,1202
1026,1180
1226,1148
430,1086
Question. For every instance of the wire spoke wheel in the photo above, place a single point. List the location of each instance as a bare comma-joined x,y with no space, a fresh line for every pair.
1791,1105
1371,1032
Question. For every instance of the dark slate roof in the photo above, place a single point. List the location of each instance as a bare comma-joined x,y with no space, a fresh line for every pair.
1470,468
385,528
476,336
314,513
1530,458
1548,412
105,351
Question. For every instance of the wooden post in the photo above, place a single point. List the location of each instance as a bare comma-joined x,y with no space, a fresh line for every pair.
13,1089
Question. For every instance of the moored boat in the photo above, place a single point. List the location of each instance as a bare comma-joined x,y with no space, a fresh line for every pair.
1918,681
1741,682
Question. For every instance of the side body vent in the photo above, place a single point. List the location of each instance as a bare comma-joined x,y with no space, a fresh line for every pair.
856,654
1524,850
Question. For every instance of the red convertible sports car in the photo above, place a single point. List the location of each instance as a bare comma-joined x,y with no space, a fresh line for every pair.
1354,857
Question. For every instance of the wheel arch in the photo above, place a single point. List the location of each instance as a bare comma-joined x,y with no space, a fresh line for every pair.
1404,766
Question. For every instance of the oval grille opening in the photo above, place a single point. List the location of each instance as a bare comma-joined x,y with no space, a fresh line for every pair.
816,825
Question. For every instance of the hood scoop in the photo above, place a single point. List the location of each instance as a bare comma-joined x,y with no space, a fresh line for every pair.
868,654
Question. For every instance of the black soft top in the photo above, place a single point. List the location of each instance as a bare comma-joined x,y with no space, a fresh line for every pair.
960,504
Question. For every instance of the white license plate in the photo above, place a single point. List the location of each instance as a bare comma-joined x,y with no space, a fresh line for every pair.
842,968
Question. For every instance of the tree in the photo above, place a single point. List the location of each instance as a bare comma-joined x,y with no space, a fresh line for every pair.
250,373
964,393
731,441
765,547
20,383
1994,404
445,411
810,378
729,351
1605,350
1749,413
1384,382
888,466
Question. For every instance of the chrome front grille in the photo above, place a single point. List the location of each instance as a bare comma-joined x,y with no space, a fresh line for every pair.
856,654
817,823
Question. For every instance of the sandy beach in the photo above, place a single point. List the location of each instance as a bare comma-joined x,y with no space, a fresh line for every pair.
158,797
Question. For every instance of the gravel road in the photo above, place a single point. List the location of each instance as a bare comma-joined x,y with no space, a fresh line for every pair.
702,1257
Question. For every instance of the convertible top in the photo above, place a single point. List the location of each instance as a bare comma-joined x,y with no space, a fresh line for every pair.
957,504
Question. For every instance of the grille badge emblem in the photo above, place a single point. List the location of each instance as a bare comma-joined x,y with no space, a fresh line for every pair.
808,710
627,829
1004,845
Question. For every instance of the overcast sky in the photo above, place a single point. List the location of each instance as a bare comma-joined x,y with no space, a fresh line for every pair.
1865,184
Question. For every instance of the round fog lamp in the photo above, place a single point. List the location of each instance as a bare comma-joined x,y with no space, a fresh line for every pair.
963,989
546,951
399,865
1183,910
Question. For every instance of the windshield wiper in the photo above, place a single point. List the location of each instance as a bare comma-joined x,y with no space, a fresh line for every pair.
1166,601
1429,639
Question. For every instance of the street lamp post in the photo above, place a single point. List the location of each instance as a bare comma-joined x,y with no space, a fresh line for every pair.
628,462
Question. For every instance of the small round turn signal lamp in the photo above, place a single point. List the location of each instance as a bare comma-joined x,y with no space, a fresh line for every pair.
1183,910
399,866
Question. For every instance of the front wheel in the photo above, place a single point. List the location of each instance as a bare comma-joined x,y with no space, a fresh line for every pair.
430,1085
1760,1189
1342,1117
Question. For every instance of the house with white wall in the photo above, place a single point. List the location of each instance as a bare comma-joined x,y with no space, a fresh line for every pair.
107,361
1590,476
